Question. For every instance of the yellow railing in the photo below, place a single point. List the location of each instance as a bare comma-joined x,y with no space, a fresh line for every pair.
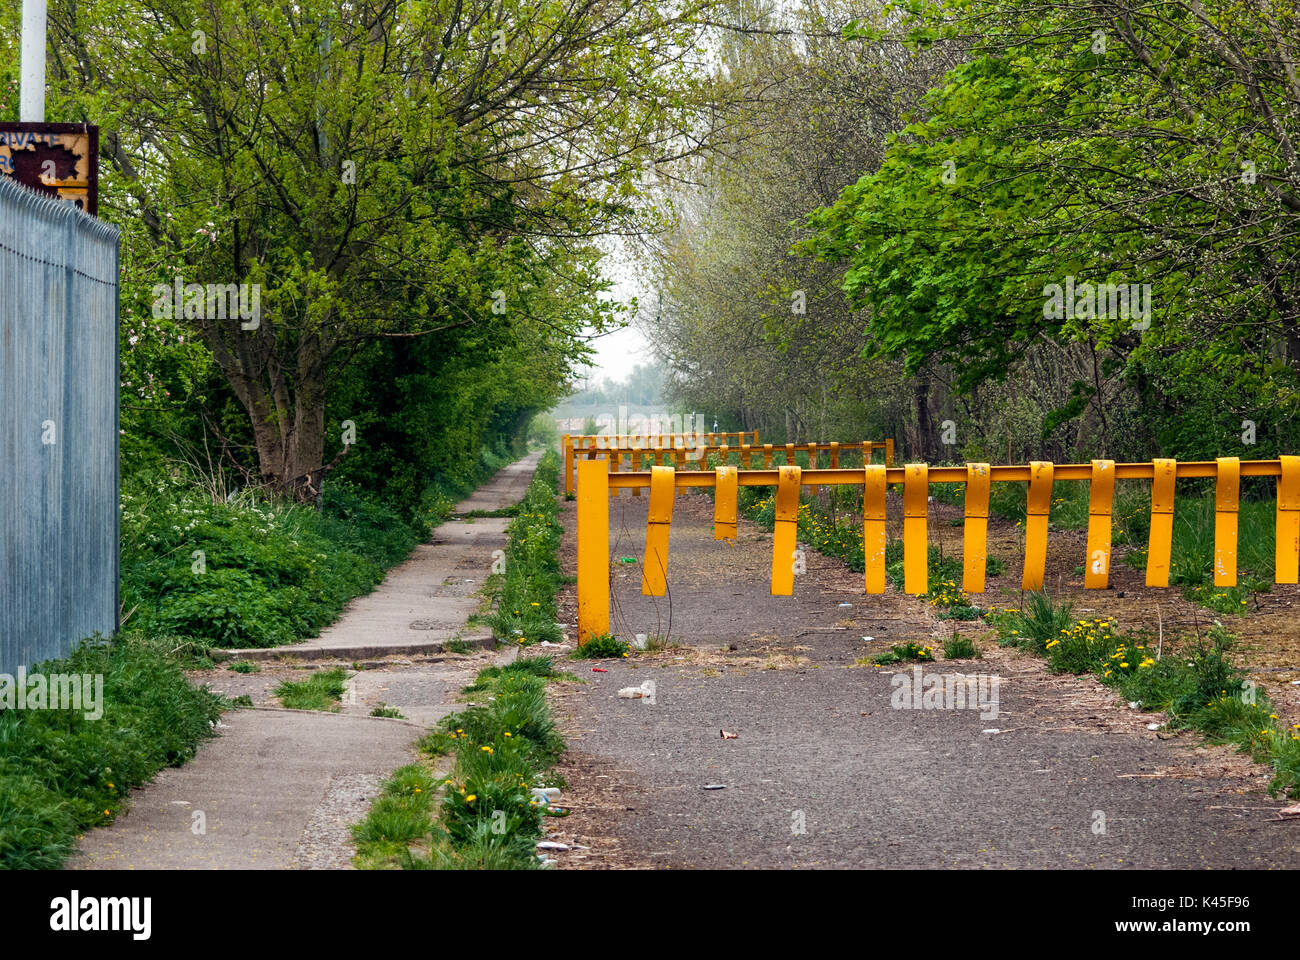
685,449
595,483
614,446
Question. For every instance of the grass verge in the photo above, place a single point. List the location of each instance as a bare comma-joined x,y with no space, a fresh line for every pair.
61,773
1191,679
523,592
483,814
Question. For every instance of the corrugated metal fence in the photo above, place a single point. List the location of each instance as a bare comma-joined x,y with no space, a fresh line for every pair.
58,427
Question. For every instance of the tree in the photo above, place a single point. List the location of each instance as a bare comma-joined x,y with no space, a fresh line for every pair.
1096,142
744,325
380,171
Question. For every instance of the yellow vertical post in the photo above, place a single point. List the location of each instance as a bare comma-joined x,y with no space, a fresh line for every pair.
1287,542
654,572
1101,499
615,462
835,455
785,532
767,456
916,507
1037,507
873,527
638,464
1160,542
568,464
724,455
1227,488
679,456
789,455
755,436
745,461
975,537
889,451
593,549
812,465
725,499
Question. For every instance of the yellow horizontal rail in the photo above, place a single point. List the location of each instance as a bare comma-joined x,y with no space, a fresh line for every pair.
593,513
688,448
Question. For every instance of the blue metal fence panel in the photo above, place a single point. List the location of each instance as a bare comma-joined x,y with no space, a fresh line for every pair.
59,482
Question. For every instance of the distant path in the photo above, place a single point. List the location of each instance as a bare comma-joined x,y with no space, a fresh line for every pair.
279,789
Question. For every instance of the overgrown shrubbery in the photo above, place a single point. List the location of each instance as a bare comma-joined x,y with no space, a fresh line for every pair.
249,572
61,774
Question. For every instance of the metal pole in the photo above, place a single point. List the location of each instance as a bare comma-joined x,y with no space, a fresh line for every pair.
31,107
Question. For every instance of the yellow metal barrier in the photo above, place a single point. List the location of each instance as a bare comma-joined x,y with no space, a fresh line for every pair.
874,490
654,571
1287,551
593,549
975,538
1101,499
726,498
1226,489
680,447
1161,541
595,481
785,531
916,508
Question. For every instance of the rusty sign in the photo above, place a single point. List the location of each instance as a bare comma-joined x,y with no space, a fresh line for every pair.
61,159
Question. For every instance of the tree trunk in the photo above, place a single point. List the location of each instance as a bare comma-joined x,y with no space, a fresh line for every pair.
288,425
923,444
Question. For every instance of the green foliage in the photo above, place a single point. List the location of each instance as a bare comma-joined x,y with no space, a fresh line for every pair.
61,774
249,572
320,691
524,594
1082,647
603,647
402,224
488,817
905,653
543,667
1039,622
1193,681
401,814
960,648
985,198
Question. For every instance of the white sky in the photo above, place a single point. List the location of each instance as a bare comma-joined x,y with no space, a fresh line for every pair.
618,352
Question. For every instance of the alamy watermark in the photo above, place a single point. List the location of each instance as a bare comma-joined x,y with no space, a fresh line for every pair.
209,301
639,432
54,691
945,691
1103,301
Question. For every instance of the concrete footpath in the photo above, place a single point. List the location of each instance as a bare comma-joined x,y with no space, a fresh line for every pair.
279,789
425,600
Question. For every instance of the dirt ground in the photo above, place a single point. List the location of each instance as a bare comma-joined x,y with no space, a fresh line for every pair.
823,772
